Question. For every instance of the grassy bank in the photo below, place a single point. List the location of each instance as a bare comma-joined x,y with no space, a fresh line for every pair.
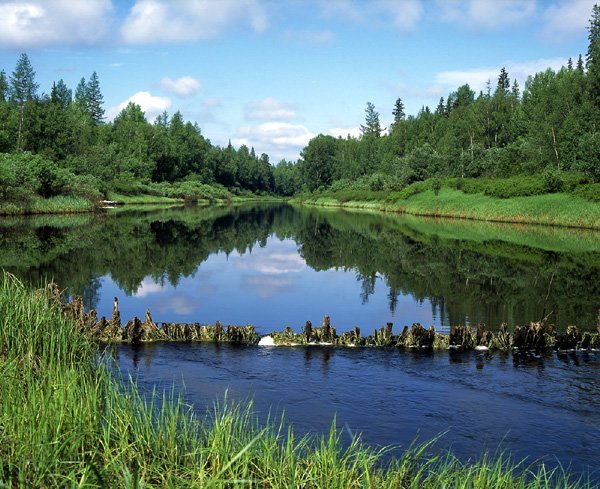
54,205
66,421
557,209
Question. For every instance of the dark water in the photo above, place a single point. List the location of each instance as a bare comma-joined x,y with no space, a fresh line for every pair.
545,408
274,266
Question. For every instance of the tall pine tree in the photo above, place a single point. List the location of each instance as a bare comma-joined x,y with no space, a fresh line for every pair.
372,126
398,111
593,55
3,87
22,82
94,99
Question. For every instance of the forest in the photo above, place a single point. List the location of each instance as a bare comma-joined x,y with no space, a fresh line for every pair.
494,141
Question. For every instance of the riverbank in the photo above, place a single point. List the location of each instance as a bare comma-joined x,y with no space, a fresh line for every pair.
64,423
556,209
54,205
78,205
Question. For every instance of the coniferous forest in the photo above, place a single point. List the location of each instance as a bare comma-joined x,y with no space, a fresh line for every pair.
540,138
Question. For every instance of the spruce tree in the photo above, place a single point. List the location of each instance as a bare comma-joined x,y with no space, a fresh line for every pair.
580,64
593,36
503,86
81,94
3,87
441,107
22,82
398,111
593,55
61,95
94,99
372,126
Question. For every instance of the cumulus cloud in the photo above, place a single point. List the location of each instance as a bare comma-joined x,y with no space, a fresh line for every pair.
269,109
273,263
477,78
150,104
277,139
39,23
404,15
156,21
486,14
147,287
566,19
186,86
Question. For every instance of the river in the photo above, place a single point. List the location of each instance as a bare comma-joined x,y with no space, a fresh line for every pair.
277,265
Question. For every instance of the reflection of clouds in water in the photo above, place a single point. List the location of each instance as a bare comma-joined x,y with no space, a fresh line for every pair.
147,287
276,260
179,304
266,286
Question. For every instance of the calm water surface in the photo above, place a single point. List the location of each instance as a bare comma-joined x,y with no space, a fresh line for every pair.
273,266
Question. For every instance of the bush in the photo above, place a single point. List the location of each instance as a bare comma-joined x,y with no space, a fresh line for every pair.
591,192
588,156
552,180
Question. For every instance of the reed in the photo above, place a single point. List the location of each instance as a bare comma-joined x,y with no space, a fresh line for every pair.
67,419
53,205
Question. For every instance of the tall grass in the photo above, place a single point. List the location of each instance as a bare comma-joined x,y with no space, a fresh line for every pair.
557,209
53,205
67,420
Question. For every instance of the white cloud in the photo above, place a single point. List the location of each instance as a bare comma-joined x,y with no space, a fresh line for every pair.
272,263
404,15
186,86
565,19
150,104
344,132
147,287
486,14
346,10
277,139
477,77
38,23
155,21
269,109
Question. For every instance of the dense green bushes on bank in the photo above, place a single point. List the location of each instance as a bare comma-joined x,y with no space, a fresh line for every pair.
66,420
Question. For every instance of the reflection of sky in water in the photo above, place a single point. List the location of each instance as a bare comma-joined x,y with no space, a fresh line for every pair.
270,287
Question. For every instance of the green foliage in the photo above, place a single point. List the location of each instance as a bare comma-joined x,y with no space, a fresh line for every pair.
550,181
589,192
23,86
588,160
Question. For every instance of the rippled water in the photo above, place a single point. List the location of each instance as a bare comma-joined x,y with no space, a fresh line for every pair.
540,408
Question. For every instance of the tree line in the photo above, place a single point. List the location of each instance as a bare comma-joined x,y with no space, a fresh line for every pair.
59,143
553,125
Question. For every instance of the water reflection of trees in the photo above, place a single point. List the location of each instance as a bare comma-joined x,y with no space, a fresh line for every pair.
490,281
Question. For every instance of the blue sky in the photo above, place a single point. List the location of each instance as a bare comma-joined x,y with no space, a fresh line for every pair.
272,74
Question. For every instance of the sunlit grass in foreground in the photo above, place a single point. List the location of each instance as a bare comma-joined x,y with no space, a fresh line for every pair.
66,421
